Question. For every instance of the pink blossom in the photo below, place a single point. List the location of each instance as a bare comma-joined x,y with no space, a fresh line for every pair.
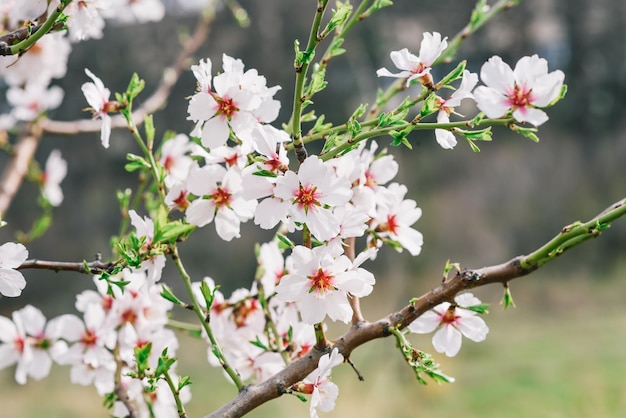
395,216
236,104
452,321
320,284
523,90
444,137
414,67
55,171
323,392
33,99
98,98
12,282
220,198
306,197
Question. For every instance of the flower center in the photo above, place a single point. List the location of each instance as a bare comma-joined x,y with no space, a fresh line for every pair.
450,316
89,338
221,197
306,197
243,310
321,282
226,106
520,97
181,201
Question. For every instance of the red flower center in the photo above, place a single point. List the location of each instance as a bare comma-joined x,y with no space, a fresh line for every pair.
221,197
89,338
226,106
450,316
321,282
306,197
520,97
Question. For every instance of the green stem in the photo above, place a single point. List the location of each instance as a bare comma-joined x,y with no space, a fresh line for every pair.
134,130
184,326
217,349
176,393
47,26
483,17
420,126
321,342
302,67
572,235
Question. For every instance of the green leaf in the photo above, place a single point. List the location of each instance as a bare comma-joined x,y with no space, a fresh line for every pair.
400,138
167,294
379,4
320,125
476,121
135,86
172,231
478,13
473,146
339,16
308,117
123,199
297,63
258,343
454,74
136,163
429,106
264,173
284,242
481,309
335,47
164,364
318,83
207,293
480,135
507,299
527,132
142,354
183,381
148,126
354,127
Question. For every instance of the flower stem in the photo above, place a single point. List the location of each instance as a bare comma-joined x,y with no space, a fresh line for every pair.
302,62
217,350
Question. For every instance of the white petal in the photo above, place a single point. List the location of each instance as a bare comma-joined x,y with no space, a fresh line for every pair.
445,138
533,116
491,101
498,75
447,340
473,327
426,323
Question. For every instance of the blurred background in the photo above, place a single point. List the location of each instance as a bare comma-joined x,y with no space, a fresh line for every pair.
558,354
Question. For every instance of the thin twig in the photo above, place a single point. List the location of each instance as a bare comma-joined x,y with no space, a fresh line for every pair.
156,101
17,168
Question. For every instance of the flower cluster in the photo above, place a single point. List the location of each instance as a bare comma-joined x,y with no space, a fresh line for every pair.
520,93
232,168
105,337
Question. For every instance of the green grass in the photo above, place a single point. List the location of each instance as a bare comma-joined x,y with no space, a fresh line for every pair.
559,354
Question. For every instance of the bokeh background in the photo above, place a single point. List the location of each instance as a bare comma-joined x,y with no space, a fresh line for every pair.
558,354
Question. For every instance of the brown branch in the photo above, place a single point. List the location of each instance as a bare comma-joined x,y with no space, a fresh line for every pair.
22,34
14,173
156,101
93,267
251,397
